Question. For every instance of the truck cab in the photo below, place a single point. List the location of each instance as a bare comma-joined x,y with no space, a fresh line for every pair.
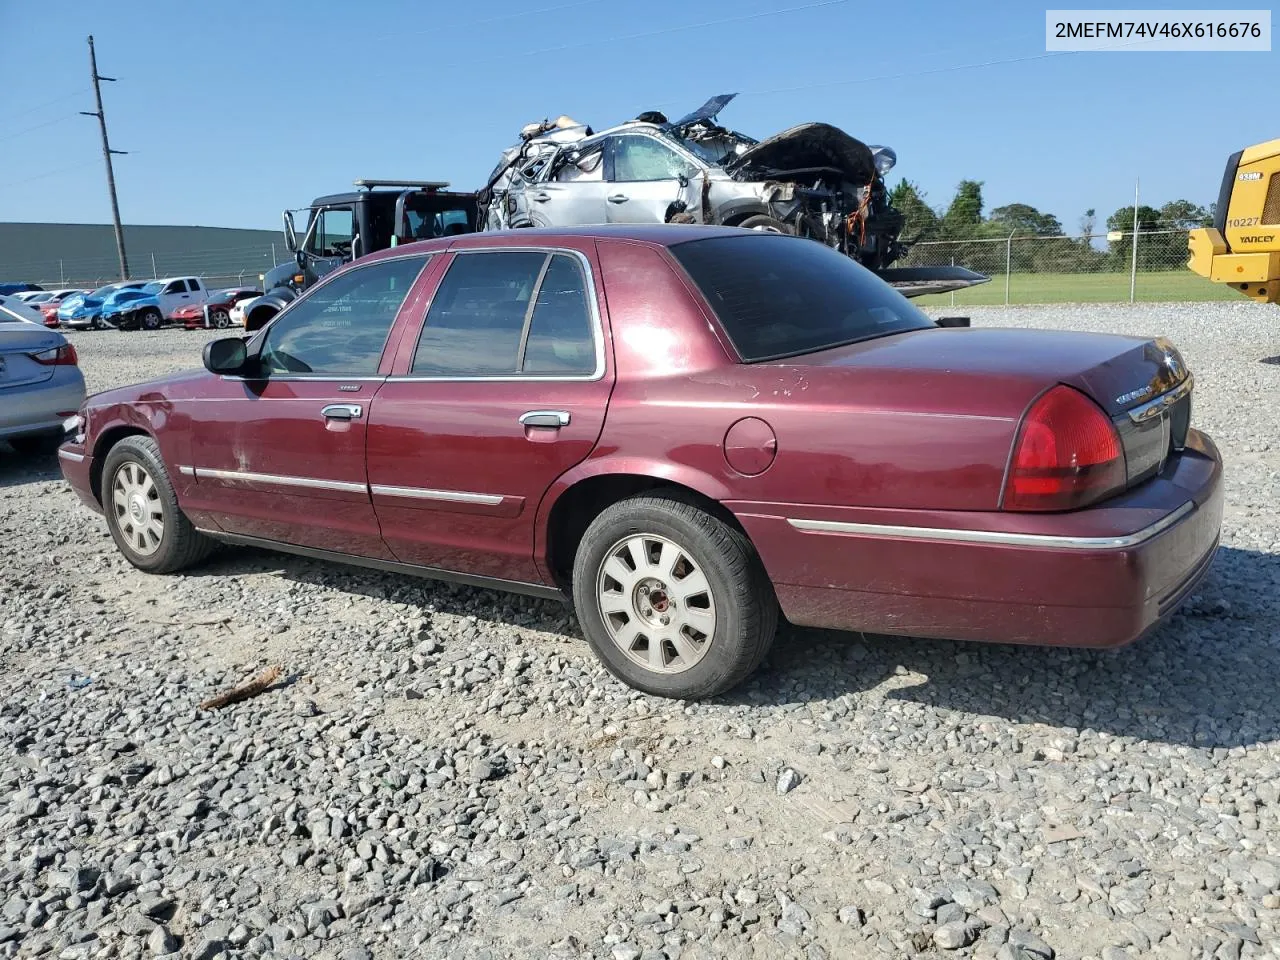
343,226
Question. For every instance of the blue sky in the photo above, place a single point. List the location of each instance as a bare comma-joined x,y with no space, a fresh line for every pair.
233,111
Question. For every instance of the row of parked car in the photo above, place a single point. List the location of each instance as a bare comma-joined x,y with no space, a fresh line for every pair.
140,305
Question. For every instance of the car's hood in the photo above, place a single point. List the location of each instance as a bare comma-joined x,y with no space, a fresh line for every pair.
145,300
806,148
180,385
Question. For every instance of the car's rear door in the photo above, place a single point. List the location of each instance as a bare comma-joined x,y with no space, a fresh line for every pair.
282,457
501,390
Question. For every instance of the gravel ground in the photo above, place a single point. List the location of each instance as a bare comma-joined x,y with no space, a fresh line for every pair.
446,772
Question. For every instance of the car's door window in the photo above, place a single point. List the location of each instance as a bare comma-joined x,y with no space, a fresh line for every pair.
560,342
638,159
508,314
588,167
176,287
340,328
333,233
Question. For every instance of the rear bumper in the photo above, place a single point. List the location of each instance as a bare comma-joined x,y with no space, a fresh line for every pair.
1100,577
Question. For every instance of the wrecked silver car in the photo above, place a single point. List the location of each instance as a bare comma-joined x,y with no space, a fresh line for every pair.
813,180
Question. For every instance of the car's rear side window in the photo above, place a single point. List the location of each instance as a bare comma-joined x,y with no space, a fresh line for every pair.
508,313
781,296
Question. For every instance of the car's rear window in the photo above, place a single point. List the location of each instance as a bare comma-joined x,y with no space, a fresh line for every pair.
781,296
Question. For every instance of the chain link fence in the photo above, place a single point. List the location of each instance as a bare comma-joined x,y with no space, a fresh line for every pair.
1120,266
229,267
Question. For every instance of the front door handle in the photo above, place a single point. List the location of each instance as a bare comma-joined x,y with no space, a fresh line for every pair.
619,198
342,411
540,197
545,418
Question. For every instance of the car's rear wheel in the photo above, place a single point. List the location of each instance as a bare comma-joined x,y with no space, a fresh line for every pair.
150,319
674,601
220,319
142,510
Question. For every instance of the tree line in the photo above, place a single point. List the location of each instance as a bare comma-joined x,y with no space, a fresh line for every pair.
953,229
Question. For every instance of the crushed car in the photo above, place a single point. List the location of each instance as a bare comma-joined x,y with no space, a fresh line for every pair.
813,180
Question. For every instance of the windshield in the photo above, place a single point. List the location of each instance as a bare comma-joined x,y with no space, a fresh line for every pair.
703,151
781,296
104,291
152,288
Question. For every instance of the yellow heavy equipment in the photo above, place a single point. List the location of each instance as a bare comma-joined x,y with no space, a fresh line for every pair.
1242,248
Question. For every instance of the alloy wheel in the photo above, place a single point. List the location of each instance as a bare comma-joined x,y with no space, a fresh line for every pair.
139,513
656,603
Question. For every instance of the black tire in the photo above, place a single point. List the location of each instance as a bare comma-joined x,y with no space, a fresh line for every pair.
765,224
220,319
181,545
40,445
150,319
98,323
746,610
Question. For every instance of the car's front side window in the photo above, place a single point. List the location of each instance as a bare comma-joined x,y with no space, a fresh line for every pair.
341,328
638,159
516,313
333,233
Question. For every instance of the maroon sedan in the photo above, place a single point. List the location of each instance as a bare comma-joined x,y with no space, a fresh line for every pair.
688,431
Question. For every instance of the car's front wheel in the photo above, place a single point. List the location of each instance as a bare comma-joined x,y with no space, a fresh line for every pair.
150,319
142,510
673,600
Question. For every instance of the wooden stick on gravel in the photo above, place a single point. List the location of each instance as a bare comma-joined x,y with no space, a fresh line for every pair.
246,690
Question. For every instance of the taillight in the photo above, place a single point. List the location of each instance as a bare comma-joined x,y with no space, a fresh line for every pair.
1067,455
63,356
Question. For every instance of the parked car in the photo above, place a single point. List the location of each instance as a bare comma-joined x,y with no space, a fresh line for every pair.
49,308
32,296
40,381
86,311
159,302
216,312
688,430
9,288
239,310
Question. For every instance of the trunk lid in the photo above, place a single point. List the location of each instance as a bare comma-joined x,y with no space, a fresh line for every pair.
18,340
1143,385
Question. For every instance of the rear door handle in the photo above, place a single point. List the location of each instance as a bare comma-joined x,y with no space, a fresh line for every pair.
342,411
545,418
619,198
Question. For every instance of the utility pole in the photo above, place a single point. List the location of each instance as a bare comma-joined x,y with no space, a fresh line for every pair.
106,155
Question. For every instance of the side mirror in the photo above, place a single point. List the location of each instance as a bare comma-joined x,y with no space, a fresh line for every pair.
682,179
290,234
225,356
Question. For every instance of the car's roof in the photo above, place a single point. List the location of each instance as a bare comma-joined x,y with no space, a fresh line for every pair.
655,234
171,279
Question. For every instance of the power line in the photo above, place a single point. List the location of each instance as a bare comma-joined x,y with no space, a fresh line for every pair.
41,106
39,126
506,58
48,173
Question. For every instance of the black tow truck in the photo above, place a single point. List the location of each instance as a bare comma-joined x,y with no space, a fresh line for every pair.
340,227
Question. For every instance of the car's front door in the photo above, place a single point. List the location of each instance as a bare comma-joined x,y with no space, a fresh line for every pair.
503,390
646,179
173,296
281,455
328,241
